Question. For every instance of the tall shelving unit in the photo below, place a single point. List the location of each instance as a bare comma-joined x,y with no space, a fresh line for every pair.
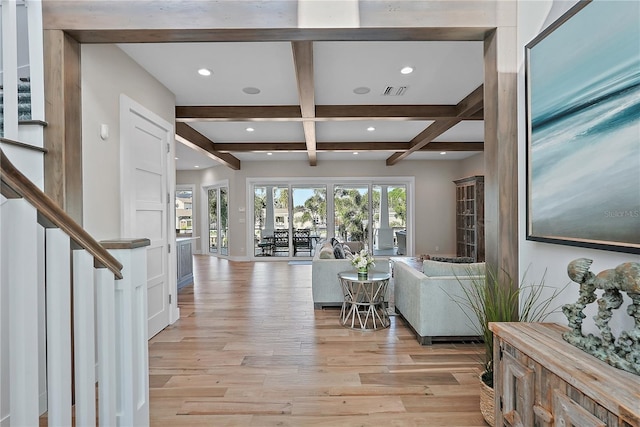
470,217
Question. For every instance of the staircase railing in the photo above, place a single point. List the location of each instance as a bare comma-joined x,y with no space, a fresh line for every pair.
84,281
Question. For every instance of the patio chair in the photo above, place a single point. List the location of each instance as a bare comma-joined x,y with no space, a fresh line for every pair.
302,241
280,240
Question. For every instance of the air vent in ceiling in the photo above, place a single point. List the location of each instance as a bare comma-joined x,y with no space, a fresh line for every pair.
395,90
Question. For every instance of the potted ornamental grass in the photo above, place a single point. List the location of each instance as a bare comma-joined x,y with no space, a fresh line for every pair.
495,297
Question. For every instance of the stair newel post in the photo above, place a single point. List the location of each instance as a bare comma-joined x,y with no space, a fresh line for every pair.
132,360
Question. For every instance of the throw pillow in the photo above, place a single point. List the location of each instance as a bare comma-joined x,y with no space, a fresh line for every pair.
347,251
348,255
338,252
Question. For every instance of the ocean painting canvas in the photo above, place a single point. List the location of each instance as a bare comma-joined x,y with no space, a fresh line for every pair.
583,119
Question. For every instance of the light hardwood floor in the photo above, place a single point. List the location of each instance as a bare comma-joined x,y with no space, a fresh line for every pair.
250,350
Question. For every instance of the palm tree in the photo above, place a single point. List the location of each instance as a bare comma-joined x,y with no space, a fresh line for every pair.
351,211
398,202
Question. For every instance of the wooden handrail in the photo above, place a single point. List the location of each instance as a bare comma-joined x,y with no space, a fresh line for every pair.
15,184
23,145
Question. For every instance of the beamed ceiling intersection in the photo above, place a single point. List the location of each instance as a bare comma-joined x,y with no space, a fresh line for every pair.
444,117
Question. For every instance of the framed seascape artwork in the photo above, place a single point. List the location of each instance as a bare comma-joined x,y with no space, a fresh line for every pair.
583,128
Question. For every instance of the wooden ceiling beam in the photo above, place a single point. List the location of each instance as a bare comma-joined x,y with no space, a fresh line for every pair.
256,147
211,113
303,60
116,34
453,146
247,147
200,143
387,112
470,105
215,113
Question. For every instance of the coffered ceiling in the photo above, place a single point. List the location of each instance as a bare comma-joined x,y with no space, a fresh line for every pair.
320,101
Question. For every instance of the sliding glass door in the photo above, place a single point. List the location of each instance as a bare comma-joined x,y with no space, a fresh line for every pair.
290,219
351,213
309,218
389,219
218,203
271,220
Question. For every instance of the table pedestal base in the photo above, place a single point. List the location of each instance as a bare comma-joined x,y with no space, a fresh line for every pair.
364,307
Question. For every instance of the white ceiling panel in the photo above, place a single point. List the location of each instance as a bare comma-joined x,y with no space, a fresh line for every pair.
267,66
356,131
188,159
444,72
468,131
263,131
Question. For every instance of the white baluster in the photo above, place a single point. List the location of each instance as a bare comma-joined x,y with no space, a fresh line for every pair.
107,380
10,68
20,282
36,58
84,333
58,327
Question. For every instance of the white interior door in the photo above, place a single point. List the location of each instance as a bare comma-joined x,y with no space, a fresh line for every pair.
144,148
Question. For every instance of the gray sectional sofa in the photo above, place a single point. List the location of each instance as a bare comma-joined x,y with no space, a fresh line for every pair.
424,299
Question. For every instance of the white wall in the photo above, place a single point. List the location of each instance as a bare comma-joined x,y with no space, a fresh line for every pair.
108,72
473,165
533,17
434,187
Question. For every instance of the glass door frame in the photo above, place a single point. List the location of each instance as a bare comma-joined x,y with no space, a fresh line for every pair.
204,223
331,183
194,206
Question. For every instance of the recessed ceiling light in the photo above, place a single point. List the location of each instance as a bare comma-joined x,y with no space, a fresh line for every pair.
251,90
406,70
362,90
249,129
442,153
177,158
371,128
269,154
204,72
196,166
355,153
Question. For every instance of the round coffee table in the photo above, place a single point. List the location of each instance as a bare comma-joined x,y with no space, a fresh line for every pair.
364,306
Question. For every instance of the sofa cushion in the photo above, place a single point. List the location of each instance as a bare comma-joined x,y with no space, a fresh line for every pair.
326,251
438,269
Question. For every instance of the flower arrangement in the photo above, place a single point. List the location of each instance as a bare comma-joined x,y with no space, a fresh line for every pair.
363,260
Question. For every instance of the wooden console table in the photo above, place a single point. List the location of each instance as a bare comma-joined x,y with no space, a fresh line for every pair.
541,380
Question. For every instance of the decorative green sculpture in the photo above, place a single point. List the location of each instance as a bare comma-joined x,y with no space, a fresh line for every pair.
623,352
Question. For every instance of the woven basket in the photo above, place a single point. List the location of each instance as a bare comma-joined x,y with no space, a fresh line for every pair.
487,403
